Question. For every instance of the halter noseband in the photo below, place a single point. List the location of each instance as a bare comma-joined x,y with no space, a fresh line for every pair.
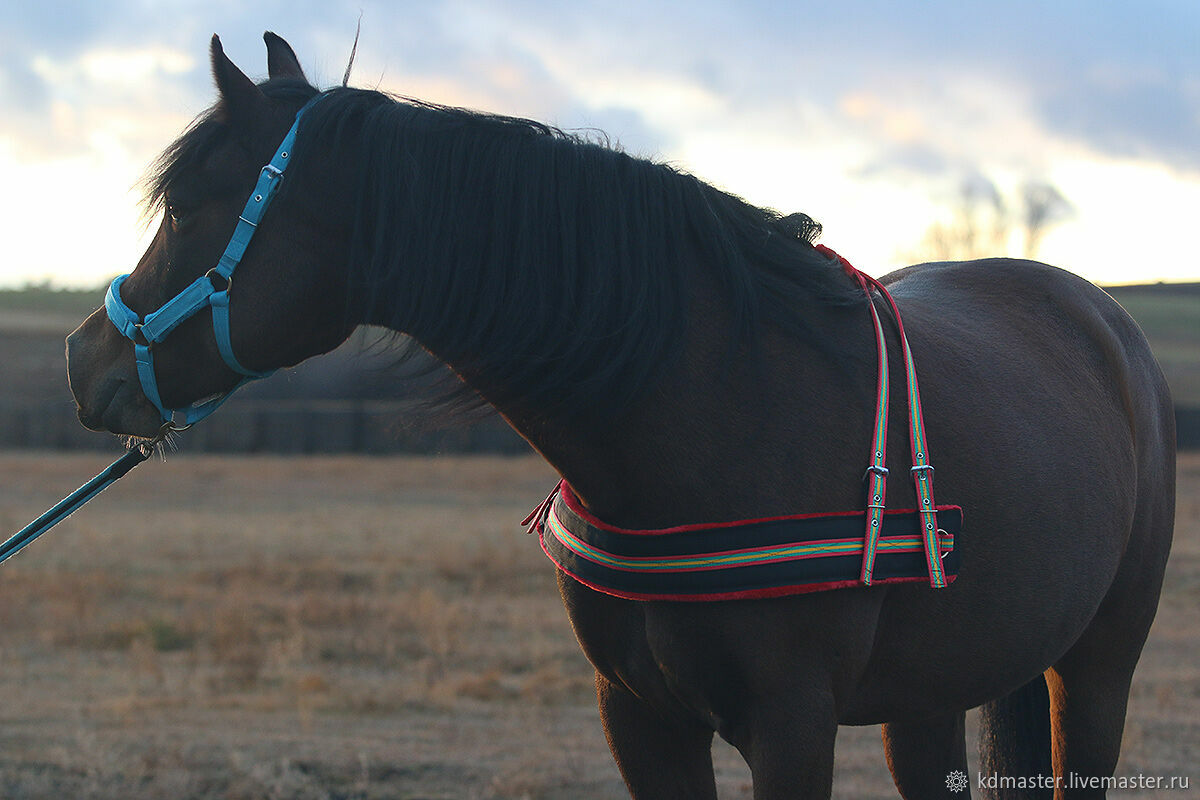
209,290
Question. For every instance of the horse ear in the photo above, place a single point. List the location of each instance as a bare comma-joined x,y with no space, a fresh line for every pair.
238,93
281,59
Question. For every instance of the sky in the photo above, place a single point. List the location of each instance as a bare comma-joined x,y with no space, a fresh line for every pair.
885,121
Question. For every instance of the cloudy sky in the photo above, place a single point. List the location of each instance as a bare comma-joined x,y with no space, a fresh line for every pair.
877,118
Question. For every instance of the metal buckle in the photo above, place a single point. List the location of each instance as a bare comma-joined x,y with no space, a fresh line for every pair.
878,470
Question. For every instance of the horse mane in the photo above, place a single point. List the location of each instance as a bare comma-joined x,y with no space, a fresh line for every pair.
515,249
512,248
205,133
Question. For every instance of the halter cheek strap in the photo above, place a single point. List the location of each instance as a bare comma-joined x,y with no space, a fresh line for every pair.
210,290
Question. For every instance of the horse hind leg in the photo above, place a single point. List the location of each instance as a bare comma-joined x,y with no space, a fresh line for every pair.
1089,685
1014,741
928,757
1087,717
1089,691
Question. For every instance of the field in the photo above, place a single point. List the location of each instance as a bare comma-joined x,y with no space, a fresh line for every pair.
353,627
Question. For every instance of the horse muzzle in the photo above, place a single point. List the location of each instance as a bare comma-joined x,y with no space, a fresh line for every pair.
104,381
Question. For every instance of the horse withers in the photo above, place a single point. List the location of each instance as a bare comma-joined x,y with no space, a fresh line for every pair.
684,359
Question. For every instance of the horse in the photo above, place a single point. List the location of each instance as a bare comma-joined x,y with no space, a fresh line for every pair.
682,358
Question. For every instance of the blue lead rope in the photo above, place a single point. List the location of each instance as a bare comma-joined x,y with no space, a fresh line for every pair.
72,502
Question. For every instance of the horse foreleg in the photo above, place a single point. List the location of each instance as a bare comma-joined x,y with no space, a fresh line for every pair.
788,744
659,759
928,757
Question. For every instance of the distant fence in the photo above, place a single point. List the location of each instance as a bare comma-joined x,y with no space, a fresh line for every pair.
336,426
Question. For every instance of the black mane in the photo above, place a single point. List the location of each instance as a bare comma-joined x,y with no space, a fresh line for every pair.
512,248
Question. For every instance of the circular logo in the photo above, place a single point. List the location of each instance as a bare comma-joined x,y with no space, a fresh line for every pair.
956,781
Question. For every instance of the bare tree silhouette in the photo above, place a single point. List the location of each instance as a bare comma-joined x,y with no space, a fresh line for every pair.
985,224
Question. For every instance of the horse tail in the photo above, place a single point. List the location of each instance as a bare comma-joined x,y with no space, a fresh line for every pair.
1014,742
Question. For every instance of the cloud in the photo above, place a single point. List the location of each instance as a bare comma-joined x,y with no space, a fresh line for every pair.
864,108
1153,116
60,106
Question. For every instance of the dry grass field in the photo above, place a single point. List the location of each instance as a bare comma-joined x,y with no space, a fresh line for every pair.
352,627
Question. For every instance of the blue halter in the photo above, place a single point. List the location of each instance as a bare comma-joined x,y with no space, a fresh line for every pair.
209,290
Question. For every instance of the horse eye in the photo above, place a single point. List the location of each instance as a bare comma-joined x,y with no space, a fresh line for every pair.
176,215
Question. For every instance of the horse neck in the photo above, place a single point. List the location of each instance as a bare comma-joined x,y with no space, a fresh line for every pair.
781,427
508,251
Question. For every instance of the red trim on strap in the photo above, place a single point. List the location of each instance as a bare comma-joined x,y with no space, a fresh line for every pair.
922,470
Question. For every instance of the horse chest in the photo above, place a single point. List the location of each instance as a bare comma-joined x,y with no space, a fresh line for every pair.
654,662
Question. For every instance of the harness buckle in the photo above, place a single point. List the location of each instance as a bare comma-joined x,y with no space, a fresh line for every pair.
271,171
878,470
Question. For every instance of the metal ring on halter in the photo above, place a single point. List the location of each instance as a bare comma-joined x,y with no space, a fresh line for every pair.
170,426
213,274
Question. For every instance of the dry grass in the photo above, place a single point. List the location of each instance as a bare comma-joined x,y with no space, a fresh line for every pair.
361,628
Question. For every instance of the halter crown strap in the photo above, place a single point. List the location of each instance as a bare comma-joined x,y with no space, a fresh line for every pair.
210,290
922,470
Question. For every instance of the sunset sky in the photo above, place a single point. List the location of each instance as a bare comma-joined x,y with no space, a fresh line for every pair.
870,116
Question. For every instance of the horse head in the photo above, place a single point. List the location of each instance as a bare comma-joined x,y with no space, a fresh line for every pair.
281,310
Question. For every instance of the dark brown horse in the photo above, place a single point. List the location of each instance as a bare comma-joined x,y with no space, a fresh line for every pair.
680,356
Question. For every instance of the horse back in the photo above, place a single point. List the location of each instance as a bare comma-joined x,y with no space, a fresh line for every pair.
1052,334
